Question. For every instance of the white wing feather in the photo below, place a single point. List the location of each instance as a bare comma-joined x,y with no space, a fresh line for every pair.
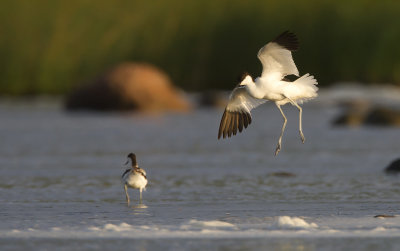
237,113
241,101
276,56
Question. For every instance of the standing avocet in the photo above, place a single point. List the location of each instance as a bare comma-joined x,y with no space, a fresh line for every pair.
134,177
276,59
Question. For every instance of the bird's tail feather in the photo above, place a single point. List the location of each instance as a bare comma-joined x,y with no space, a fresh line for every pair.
307,85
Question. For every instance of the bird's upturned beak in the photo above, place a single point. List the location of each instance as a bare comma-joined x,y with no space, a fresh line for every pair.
127,162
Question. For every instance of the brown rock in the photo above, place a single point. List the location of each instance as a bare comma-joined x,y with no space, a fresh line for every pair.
384,216
383,116
361,113
354,113
129,86
350,118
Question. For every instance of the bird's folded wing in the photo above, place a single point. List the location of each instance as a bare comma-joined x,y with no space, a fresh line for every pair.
237,113
276,56
126,171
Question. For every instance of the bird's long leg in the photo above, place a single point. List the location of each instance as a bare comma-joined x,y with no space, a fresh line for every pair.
278,148
140,198
300,116
126,193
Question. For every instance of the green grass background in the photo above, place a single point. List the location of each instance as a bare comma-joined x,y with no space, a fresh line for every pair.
51,46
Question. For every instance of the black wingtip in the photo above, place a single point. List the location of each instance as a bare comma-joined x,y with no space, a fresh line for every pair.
222,125
288,40
232,123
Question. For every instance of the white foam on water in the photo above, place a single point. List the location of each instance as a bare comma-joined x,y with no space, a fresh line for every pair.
170,233
204,225
277,227
379,229
294,222
118,228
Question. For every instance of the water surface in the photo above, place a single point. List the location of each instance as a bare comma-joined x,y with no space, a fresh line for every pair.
60,181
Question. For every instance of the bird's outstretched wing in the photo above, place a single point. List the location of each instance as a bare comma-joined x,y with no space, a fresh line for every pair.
276,56
237,113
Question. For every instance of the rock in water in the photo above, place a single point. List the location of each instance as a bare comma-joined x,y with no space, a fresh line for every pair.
354,113
358,115
129,86
394,167
381,216
383,116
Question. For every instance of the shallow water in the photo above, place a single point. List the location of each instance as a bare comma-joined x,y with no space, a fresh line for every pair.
60,186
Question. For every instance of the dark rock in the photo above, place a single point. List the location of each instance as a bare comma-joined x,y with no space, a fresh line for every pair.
383,116
354,113
384,216
129,86
359,114
350,118
394,167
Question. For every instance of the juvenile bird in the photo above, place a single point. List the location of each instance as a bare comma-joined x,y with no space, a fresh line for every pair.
134,177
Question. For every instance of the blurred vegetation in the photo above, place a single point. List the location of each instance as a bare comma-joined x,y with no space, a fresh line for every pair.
50,46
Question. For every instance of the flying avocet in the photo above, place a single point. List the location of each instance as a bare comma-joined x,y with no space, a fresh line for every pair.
276,59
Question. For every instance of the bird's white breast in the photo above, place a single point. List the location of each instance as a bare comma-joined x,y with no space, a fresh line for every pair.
136,180
270,89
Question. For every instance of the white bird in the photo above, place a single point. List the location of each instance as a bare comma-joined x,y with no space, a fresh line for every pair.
276,59
134,177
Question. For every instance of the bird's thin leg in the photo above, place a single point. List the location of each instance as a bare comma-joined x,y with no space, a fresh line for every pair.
140,196
278,148
300,116
126,193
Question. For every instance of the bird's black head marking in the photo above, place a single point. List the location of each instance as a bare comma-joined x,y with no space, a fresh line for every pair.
132,156
241,77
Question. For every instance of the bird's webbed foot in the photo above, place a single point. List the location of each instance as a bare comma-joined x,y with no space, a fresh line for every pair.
278,149
302,137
